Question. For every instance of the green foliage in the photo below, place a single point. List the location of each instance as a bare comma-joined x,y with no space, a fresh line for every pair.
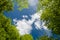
6,5
46,38
22,4
51,14
26,37
42,4
7,30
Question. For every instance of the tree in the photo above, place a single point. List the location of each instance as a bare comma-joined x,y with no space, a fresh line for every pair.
22,4
26,37
46,38
6,5
51,14
7,30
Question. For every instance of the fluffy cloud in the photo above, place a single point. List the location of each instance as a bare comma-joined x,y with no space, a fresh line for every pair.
25,27
32,2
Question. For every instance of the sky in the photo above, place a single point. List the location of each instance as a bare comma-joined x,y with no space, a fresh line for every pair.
28,20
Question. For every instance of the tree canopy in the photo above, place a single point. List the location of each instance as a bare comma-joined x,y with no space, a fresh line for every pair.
6,5
22,4
51,14
26,37
7,30
46,38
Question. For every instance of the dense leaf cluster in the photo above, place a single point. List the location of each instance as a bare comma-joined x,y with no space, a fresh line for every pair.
7,30
46,38
22,4
6,5
26,37
51,14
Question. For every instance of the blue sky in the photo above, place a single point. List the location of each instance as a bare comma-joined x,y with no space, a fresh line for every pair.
28,20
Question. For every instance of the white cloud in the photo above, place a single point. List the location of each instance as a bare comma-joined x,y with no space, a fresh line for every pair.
25,27
32,2
25,16
37,23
